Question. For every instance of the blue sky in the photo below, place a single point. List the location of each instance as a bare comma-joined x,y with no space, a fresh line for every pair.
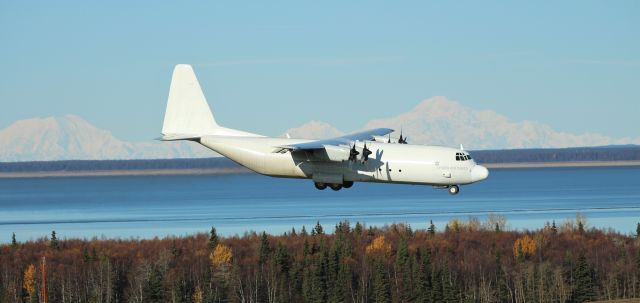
266,66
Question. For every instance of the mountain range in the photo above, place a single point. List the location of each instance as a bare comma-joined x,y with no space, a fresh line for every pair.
440,121
435,121
72,138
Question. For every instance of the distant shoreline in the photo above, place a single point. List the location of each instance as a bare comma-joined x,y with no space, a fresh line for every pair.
241,170
561,164
125,172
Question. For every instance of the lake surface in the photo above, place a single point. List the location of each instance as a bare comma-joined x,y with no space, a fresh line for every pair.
149,206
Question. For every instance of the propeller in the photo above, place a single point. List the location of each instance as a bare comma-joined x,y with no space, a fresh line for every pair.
402,140
365,153
353,153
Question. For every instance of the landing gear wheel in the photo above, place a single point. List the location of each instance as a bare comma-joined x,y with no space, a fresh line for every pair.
336,187
347,184
320,185
454,189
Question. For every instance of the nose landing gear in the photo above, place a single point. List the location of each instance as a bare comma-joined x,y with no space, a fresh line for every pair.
453,189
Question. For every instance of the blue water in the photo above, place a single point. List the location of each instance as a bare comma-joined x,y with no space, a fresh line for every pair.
149,206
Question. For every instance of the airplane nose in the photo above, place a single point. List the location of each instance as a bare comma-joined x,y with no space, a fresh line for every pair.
479,173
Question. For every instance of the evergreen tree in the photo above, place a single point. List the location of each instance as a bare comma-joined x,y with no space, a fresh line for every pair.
420,293
307,284
14,243
584,286
153,290
402,253
264,249
282,259
427,270
497,229
318,229
358,229
449,287
342,288
175,251
85,255
305,248
638,272
554,229
520,257
403,270
637,231
213,238
380,283
54,241
502,292
319,279
580,227
432,228
303,232
436,285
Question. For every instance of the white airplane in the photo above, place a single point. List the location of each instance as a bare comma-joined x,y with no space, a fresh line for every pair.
368,156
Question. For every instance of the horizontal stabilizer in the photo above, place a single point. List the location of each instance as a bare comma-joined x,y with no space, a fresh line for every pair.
176,137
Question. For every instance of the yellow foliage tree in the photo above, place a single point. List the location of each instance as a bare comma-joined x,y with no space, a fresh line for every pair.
198,296
29,281
524,246
221,256
378,247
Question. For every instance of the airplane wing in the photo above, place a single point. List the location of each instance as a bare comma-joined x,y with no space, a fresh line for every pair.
343,140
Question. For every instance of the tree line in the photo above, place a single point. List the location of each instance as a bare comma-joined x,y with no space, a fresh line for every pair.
613,153
467,261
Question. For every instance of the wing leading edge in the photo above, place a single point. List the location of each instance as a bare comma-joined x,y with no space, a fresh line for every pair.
343,140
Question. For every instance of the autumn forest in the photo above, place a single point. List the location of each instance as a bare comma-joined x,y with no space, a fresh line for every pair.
466,261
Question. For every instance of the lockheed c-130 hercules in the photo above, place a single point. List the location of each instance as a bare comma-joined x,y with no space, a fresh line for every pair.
367,156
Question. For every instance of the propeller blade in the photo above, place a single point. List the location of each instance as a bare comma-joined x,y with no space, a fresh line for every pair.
366,152
353,153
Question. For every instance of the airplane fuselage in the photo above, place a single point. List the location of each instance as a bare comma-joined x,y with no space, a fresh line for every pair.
389,162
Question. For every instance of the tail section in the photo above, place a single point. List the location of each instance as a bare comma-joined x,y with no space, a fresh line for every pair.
188,115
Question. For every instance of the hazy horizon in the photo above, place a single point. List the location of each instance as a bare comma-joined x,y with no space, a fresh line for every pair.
570,65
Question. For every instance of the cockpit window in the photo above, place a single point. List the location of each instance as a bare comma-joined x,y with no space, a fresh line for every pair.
463,157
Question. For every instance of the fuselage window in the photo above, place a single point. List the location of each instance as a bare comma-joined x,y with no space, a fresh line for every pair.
457,158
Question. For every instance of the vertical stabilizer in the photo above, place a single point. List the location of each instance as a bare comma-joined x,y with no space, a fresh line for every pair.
187,110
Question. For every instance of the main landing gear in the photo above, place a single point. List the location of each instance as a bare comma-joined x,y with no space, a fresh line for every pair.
453,189
334,186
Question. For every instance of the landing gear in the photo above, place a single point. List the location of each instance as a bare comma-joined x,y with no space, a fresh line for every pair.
336,187
454,189
320,185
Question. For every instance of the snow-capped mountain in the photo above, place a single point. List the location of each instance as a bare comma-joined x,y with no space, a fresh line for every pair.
313,130
72,138
439,121
435,121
